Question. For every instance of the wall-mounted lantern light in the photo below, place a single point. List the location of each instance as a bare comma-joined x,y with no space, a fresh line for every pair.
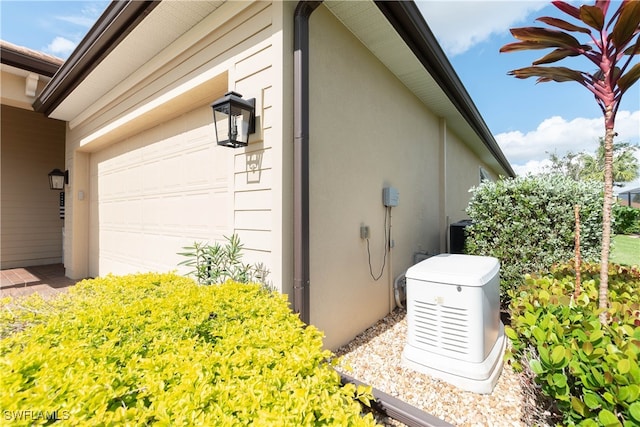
234,119
57,179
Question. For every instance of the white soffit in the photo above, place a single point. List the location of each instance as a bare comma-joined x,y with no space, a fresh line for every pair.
13,70
368,24
166,23
20,72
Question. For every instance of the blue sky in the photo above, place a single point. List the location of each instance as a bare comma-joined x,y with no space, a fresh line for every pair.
527,120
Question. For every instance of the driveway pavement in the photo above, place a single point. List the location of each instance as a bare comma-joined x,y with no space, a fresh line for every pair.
47,280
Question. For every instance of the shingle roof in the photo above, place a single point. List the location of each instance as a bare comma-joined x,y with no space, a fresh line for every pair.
28,59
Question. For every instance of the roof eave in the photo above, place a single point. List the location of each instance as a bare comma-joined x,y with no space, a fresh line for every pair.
408,21
115,23
23,60
121,17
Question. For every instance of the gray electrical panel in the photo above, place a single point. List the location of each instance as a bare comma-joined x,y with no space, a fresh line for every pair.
390,196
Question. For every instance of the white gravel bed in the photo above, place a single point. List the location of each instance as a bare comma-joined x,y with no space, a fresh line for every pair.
375,359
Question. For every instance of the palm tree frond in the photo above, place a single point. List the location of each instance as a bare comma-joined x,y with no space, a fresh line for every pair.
562,24
592,16
528,45
634,49
567,8
545,74
629,78
555,56
555,38
627,24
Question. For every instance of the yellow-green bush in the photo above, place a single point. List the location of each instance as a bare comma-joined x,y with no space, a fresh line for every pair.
159,349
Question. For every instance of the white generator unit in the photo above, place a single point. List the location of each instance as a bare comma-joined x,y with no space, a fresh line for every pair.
453,317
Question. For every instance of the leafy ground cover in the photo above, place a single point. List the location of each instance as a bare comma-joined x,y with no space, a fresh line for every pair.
626,250
160,349
590,369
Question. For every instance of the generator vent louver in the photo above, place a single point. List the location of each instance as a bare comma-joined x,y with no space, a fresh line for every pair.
454,330
442,326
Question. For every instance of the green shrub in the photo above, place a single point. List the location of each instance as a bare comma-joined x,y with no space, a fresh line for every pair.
528,223
590,369
215,264
159,349
626,219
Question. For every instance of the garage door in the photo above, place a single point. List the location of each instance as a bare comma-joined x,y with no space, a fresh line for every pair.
156,192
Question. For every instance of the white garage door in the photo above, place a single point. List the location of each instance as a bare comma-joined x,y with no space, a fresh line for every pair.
156,192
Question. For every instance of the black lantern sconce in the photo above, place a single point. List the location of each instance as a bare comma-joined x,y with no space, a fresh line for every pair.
57,179
234,119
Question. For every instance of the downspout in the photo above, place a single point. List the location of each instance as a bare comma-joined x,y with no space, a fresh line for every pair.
444,218
301,158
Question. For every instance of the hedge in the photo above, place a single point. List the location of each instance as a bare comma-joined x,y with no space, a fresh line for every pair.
626,220
528,223
160,349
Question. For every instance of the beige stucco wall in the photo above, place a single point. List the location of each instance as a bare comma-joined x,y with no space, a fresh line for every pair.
463,172
368,131
146,175
31,146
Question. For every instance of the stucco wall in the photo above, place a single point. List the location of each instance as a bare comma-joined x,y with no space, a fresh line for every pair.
463,172
32,146
153,178
368,131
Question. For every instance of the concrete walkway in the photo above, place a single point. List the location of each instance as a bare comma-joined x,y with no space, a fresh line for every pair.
47,280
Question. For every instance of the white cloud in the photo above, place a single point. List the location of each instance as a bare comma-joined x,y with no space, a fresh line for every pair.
82,21
85,17
527,151
70,27
532,167
459,25
628,126
61,47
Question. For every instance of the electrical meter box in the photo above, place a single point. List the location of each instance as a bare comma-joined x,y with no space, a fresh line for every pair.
453,317
390,196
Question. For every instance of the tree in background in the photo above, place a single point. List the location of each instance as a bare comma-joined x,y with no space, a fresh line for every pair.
625,164
569,165
611,45
585,166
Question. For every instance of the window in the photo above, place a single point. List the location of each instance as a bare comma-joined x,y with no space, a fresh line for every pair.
484,175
